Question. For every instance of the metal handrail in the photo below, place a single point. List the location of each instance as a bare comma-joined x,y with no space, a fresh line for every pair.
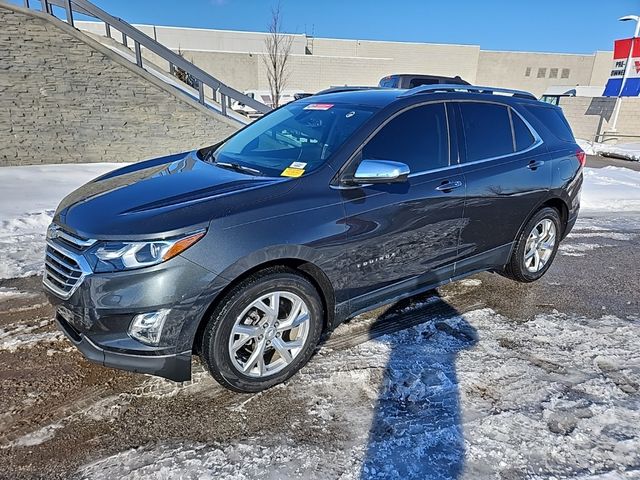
466,88
84,7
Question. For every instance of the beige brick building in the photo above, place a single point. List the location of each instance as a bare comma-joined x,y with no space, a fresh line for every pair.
236,58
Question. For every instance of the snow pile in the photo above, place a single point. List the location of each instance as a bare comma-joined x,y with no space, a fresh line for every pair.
628,151
611,189
28,198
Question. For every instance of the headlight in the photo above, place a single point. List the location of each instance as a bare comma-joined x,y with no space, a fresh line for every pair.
117,256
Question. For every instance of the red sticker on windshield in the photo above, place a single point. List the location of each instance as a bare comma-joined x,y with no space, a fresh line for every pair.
319,106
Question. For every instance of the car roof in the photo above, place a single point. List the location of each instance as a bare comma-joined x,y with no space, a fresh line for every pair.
375,97
381,97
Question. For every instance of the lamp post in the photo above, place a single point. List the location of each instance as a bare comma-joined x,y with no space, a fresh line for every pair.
616,108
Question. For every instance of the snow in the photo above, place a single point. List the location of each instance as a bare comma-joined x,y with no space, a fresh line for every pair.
476,395
610,189
22,335
28,198
37,437
628,151
11,293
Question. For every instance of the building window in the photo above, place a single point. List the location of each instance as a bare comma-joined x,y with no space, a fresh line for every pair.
542,72
553,73
565,73
527,72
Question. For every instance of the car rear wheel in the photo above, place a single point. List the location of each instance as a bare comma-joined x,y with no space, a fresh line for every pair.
536,247
263,331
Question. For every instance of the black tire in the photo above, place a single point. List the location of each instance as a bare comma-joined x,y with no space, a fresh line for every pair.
215,343
516,268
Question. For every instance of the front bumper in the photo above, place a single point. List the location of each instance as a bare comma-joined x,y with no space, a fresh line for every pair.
176,367
97,316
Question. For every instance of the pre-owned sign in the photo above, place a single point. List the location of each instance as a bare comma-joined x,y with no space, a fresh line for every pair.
620,58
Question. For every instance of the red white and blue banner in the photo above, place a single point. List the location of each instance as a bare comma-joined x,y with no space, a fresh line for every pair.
620,56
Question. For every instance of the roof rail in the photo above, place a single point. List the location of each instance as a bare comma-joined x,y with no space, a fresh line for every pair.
346,88
466,88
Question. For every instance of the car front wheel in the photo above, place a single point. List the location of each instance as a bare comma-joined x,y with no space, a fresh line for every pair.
263,331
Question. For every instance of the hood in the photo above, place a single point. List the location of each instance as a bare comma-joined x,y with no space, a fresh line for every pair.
160,197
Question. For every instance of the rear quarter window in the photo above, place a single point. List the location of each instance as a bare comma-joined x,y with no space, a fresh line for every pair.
523,136
554,120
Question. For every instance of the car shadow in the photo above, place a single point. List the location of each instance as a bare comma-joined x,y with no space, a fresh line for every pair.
416,431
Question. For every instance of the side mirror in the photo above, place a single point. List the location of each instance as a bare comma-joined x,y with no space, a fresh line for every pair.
380,171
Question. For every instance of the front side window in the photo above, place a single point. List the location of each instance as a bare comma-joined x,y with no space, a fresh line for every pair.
418,137
298,135
487,130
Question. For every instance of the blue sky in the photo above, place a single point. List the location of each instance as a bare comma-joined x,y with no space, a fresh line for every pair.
573,26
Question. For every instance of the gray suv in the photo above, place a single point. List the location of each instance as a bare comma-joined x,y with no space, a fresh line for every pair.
246,251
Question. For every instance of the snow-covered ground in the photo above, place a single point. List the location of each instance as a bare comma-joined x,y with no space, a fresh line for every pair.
469,396
611,189
28,198
630,151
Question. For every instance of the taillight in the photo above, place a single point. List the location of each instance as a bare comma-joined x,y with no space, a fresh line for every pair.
582,157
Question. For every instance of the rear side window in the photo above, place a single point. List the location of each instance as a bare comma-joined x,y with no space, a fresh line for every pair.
523,136
554,120
417,137
487,130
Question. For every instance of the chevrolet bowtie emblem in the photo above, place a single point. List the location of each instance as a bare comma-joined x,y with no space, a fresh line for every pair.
52,232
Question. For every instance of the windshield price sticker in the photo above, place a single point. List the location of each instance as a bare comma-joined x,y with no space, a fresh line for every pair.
318,106
292,172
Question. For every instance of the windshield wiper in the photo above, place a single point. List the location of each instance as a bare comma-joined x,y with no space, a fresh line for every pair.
238,168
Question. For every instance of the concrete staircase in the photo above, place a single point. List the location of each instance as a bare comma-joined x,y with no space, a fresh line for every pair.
64,97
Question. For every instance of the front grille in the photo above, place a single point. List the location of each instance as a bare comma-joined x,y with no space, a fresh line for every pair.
65,267
61,270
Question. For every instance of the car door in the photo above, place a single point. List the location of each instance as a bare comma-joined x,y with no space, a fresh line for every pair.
402,236
506,171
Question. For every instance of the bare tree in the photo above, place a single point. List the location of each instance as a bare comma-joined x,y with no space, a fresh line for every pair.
278,47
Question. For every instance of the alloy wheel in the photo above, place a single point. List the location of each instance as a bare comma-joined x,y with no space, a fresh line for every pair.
540,245
269,334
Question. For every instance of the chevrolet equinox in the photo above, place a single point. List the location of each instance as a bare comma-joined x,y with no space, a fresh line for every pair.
246,251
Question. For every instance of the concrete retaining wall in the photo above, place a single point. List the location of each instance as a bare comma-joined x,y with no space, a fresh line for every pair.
592,116
66,98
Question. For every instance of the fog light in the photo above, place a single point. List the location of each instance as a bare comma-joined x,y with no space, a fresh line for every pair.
147,327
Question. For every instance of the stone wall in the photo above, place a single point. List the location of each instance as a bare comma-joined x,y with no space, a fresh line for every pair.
66,98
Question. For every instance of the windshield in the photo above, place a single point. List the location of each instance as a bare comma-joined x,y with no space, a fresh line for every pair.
293,140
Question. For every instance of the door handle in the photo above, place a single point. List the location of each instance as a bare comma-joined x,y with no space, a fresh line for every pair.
447,186
535,164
